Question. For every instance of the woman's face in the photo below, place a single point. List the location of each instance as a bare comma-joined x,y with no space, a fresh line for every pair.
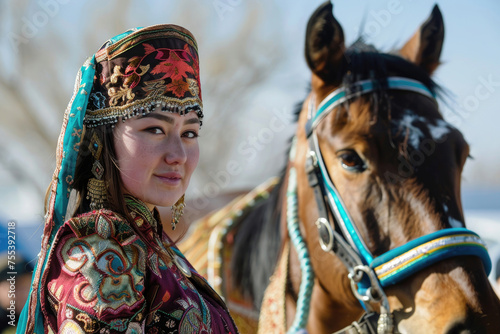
157,154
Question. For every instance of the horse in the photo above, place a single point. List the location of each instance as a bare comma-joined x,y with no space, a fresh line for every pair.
364,230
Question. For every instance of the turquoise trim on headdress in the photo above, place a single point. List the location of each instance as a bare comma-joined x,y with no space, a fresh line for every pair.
71,135
71,142
115,39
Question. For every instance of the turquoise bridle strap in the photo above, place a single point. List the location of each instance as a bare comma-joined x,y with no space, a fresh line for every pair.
402,262
341,95
349,229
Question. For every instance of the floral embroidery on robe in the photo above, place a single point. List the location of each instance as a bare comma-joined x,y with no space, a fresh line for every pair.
103,278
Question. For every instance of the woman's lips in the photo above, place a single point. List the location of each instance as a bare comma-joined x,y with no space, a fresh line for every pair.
170,178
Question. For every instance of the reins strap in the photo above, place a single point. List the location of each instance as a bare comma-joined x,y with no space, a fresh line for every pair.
307,275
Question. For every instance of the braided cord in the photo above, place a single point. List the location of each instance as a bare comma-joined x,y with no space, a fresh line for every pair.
306,285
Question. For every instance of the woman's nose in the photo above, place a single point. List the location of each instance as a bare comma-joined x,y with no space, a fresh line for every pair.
175,154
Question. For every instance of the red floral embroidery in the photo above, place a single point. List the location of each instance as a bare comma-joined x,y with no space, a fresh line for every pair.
178,87
175,64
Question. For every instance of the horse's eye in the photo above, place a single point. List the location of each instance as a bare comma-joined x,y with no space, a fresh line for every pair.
351,161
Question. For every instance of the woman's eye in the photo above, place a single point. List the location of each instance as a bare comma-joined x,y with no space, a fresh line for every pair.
155,130
351,161
191,134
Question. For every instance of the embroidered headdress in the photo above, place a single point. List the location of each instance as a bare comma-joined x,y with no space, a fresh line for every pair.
134,73
143,72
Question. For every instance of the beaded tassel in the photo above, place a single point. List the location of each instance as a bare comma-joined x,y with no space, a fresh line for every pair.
177,211
96,187
97,193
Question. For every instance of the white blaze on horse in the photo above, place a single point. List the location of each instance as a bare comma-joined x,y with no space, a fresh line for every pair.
366,222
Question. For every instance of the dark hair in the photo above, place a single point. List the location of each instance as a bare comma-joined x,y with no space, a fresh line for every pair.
83,172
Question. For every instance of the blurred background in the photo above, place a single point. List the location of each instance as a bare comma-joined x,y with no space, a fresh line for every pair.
253,73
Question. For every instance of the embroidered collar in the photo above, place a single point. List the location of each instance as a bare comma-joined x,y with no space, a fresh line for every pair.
141,213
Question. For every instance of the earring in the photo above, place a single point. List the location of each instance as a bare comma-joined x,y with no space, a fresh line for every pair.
177,211
96,187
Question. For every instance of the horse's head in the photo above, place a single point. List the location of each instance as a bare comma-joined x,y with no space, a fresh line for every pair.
396,165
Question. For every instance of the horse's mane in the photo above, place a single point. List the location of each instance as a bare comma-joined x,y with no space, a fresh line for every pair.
258,241
364,61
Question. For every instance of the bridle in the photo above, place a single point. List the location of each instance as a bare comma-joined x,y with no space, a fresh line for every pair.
369,275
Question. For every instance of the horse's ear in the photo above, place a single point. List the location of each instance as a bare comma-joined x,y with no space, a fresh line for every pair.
325,44
424,48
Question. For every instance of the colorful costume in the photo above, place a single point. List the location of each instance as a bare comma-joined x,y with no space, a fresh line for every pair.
96,273
104,279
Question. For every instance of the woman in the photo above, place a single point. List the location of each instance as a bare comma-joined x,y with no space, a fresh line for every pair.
128,144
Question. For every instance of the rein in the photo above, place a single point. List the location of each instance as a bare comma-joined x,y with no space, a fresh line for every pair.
368,274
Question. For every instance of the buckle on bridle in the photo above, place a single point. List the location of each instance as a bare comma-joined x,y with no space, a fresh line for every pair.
374,293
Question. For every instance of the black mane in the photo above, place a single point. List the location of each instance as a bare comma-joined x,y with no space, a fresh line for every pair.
362,61
258,243
256,247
